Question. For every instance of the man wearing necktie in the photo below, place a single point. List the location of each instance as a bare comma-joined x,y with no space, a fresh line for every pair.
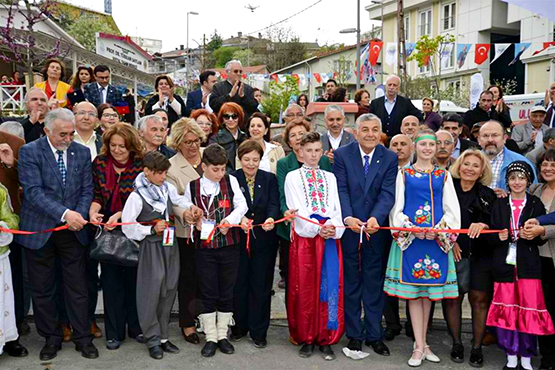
56,177
101,91
366,173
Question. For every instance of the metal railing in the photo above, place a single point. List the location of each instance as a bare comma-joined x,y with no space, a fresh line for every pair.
12,97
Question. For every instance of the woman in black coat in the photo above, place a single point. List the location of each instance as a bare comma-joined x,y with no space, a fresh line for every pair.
166,99
253,287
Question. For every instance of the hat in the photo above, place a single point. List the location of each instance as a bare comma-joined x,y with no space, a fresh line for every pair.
522,167
538,108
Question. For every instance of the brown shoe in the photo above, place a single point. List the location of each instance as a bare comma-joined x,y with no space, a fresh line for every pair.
489,339
67,332
95,330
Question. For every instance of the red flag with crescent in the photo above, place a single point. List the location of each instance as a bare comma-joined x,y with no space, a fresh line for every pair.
224,75
481,53
318,77
296,77
545,46
274,77
375,50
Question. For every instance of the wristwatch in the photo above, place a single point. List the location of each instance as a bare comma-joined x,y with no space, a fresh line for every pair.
152,230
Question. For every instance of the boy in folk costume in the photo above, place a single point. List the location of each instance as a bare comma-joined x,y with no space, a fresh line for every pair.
216,199
158,272
315,258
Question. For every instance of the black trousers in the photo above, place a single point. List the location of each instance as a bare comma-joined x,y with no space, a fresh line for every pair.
92,286
216,274
16,263
41,266
253,290
60,298
547,343
119,290
283,245
188,295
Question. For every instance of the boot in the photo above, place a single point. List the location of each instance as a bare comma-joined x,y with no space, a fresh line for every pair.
225,319
208,322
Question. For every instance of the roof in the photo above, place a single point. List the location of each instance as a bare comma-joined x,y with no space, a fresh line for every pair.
251,69
127,40
75,11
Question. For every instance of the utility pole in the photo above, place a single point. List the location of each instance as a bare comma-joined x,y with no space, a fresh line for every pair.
402,57
203,52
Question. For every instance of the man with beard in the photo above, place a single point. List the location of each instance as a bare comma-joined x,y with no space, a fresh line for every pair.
492,140
334,116
445,146
154,131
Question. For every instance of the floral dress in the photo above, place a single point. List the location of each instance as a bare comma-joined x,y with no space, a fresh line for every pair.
423,268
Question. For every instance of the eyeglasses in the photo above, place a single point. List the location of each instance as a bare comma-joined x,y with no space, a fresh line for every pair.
230,116
237,71
291,115
110,115
192,142
83,113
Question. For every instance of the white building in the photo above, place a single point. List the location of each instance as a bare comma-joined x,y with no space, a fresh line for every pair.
151,46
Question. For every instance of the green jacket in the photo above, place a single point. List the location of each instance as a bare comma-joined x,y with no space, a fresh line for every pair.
284,166
6,214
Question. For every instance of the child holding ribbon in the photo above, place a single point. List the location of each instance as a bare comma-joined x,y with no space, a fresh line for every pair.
518,308
8,220
421,267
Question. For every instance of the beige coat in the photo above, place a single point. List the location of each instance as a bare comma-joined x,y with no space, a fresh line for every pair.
274,156
537,190
180,174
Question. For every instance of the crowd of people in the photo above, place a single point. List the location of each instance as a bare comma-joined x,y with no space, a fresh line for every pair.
187,202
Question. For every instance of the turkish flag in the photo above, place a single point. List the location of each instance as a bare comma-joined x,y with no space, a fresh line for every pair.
296,77
274,77
481,53
375,50
318,77
224,75
545,46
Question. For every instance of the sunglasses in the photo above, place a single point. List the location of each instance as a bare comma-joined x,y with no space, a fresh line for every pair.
237,71
230,116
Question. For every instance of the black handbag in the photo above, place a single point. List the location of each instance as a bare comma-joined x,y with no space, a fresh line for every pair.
463,275
115,248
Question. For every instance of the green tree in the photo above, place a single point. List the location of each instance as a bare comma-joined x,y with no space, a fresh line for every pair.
280,95
428,51
84,31
214,44
223,55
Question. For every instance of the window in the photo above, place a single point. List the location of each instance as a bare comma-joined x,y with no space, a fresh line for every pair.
424,69
448,17
342,66
425,23
455,86
407,28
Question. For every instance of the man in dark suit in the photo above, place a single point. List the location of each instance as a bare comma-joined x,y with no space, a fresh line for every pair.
392,108
366,172
197,99
36,104
56,176
102,91
329,88
234,90
452,123
336,137
485,111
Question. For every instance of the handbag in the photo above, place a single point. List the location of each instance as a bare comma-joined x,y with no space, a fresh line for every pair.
115,248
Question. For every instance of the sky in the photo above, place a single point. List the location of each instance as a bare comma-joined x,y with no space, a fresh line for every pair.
166,20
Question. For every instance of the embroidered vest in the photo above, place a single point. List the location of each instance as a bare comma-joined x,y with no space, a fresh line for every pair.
221,207
149,214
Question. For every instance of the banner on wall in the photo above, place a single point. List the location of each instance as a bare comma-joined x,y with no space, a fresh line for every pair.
520,48
481,53
499,49
462,53
391,53
476,88
447,55
375,50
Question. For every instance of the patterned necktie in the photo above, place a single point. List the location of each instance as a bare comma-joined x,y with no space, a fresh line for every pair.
366,164
102,95
62,166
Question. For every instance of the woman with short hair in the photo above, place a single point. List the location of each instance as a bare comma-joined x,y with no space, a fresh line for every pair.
107,117
230,136
431,118
166,98
55,89
208,122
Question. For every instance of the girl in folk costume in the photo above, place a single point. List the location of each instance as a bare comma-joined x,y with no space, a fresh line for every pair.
518,307
421,267
315,294
8,220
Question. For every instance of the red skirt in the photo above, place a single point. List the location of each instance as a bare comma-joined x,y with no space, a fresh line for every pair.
520,306
307,316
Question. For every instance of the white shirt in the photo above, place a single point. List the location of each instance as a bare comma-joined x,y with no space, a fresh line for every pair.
265,160
91,143
103,92
134,206
207,105
334,142
211,189
64,158
370,155
174,104
389,104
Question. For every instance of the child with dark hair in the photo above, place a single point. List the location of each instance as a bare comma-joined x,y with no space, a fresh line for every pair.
158,272
217,200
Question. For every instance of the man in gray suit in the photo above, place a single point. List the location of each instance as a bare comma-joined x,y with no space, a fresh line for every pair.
336,137
530,135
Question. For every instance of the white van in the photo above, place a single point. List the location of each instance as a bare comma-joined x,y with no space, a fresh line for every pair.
521,104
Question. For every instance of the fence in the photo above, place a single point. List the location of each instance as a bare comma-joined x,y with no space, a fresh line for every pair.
12,97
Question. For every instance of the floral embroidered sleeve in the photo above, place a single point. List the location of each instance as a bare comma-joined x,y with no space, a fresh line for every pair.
397,218
451,216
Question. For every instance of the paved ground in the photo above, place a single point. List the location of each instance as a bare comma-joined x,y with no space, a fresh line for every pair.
278,355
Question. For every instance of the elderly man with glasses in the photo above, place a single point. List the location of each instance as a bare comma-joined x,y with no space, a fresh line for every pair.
86,120
445,147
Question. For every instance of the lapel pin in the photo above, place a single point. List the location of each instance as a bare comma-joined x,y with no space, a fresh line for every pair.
259,186
72,153
378,161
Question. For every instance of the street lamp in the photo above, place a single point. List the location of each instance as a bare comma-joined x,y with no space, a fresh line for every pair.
187,60
357,30
381,36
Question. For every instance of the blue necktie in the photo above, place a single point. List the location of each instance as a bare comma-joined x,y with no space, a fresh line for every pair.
62,166
102,95
366,164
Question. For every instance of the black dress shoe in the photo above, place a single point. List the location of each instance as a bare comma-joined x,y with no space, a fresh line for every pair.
25,328
209,349
192,338
87,350
306,350
457,353
390,334
156,352
378,346
327,353
260,343
355,345
169,347
477,357
225,346
49,351
15,349
236,337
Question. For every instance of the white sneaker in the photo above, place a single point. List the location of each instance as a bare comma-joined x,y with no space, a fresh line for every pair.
430,356
414,362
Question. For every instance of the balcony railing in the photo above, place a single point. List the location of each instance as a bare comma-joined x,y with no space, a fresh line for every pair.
12,97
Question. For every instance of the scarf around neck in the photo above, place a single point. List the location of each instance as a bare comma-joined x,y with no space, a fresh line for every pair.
156,196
